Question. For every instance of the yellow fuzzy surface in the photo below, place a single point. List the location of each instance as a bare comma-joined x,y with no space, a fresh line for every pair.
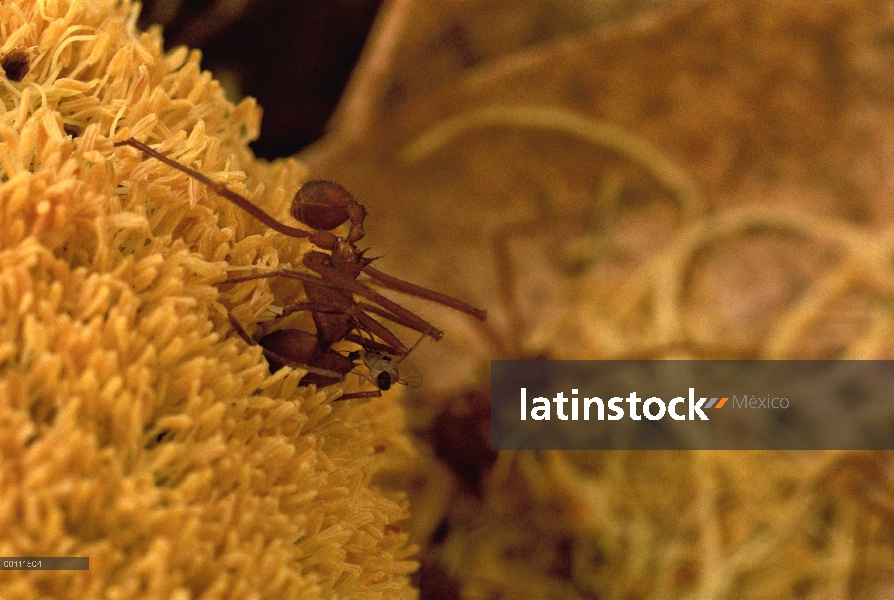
135,427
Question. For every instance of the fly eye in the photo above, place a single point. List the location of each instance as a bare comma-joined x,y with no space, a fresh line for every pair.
383,380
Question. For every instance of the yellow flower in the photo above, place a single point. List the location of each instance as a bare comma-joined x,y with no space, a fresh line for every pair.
135,428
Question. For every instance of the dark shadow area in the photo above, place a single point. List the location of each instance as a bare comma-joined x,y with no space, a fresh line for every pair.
295,57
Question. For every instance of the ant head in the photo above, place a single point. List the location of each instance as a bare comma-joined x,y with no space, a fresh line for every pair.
322,204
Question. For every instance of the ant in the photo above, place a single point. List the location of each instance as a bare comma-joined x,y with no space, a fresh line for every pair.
323,206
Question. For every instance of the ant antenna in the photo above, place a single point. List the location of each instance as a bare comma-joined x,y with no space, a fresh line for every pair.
413,347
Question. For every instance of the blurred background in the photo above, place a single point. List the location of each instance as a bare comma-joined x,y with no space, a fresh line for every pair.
294,57
609,179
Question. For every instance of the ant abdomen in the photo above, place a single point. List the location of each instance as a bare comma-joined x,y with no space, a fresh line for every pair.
303,346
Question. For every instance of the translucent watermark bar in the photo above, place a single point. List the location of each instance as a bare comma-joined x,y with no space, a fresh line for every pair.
678,404
44,563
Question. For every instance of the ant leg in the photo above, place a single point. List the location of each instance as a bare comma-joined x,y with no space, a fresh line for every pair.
249,277
412,321
383,313
351,286
399,285
237,327
395,346
390,316
314,307
347,285
352,395
382,332
361,320
413,347
338,281
219,189
343,284
369,344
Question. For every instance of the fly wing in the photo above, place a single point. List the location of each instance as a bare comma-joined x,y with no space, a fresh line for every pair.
410,376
